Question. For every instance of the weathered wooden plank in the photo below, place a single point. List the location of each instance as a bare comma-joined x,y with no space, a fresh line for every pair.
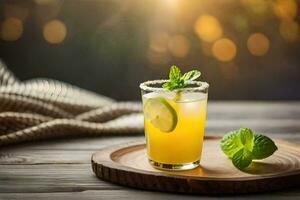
50,178
132,194
255,110
34,157
84,143
44,166
261,125
81,154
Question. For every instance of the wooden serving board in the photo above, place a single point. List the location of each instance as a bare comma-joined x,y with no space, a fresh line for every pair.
128,165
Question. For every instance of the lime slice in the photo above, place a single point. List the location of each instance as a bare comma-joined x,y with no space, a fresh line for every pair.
161,114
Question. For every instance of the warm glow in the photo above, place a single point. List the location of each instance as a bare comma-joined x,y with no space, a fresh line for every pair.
179,46
289,30
208,28
170,3
55,31
11,29
286,9
224,49
258,44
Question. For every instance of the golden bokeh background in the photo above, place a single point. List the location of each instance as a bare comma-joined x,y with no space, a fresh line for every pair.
258,44
224,49
11,29
54,31
246,49
208,28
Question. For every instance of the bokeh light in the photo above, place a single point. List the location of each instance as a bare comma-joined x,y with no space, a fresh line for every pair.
208,28
11,29
179,46
285,9
289,30
224,49
55,31
258,44
229,40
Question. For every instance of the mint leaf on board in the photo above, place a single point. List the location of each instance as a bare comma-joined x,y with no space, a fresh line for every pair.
242,158
246,137
263,147
230,143
177,80
242,146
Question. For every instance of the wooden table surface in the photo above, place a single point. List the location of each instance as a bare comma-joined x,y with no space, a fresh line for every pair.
61,169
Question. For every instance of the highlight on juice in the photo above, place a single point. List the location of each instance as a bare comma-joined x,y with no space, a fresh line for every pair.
174,119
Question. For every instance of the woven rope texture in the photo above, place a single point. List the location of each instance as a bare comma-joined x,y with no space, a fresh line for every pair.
43,109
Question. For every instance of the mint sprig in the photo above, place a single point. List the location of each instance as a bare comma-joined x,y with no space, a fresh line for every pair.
242,146
242,158
177,80
263,147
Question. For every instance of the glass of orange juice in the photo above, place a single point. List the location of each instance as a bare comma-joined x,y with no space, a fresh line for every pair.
174,124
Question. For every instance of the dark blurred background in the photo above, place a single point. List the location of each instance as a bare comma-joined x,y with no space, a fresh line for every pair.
246,50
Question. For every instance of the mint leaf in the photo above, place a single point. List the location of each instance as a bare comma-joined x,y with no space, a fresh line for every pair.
177,80
243,145
263,147
246,137
169,85
173,85
192,75
175,73
242,158
231,143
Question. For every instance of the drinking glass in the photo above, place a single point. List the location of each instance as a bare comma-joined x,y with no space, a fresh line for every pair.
174,124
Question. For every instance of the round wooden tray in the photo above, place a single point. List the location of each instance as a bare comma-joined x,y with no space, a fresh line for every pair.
128,165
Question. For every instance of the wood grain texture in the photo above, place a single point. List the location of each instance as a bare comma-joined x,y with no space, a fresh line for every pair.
132,194
50,178
128,165
60,169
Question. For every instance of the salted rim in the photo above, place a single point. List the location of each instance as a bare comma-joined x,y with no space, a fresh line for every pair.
201,86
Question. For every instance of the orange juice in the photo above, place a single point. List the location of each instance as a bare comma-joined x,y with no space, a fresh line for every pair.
174,128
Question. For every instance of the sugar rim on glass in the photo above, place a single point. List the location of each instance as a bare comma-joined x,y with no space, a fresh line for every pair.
200,86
